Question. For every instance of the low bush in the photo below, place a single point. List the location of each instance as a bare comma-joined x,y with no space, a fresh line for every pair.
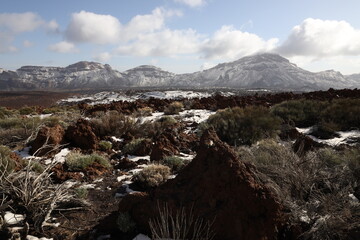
303,113
345,113
27,110
144,112
173,108
113,124
238,126
152,176
105,145
81,192
7,165
76,161
5,113
173,162
133,146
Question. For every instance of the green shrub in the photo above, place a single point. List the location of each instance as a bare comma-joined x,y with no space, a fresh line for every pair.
173,162
143,112
345,113
105,145
26,110
173,108
4,112
303,113
77,161
152,176
7,165
125,223
238,126
81,193
166,121
114,124
133,146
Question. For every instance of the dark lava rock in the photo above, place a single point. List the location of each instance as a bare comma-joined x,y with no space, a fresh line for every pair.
220,188
81,135
47,138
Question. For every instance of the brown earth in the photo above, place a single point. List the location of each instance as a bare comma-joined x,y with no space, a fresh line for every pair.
220,188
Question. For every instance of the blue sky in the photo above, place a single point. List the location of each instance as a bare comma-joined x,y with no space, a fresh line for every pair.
179,35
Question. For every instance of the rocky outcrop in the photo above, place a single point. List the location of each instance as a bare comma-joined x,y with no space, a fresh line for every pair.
81,135
220,188
47,139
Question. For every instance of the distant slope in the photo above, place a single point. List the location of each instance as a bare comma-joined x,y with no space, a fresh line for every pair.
270,71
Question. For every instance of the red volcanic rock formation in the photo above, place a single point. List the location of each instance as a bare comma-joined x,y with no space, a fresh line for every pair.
81,135
220,188
48,136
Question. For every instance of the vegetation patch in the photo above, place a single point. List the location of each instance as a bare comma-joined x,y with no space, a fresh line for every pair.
76,161
152,176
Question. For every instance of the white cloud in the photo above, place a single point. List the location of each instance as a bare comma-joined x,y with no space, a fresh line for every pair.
229,43
63,47
52,27
322,38
207,65
95,28
192,3
102,57
20,22
27,44
163,43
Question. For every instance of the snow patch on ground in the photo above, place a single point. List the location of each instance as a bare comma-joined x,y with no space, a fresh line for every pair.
128,190
141,237
29,237
59,157
12,218
196,115
137,158
342,139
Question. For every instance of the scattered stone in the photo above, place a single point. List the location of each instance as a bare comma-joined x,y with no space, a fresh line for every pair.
46,140
81,135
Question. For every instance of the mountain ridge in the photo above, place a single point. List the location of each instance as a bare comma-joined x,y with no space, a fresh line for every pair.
267,70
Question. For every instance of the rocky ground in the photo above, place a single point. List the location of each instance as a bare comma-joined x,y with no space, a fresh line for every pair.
225,191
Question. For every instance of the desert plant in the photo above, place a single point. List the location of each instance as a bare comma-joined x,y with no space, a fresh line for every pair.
173,108
26,110
81,192
143,112
152,176
76,161
125,223
133,146
238,126
34,193
7,165
179,225
173,162
105,145
5,113
303,113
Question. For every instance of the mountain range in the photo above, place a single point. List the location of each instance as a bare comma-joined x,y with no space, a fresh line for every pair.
265,71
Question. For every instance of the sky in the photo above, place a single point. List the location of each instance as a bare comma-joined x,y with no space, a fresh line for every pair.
179,36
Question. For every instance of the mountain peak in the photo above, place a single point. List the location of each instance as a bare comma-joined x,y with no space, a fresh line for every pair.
85,66
273,57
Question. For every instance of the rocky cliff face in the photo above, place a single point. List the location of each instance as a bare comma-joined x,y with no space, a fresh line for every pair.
269,71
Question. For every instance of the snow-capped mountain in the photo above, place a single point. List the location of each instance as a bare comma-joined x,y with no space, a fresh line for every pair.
269,71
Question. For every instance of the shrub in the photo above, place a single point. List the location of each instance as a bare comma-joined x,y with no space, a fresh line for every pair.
4,112
238,126
105,145
303,113
179,225
7,165
113,123
152,176
26,110
345,113
125,223
77,161
173,108
173,162
81,193
133,146
143,112
166,121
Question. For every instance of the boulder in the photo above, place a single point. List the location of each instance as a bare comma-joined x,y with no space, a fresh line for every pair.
81,135
47,139
163,147
220,188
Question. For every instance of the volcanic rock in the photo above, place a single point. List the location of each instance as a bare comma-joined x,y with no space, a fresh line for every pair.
81,135
221,189
47,138
163,147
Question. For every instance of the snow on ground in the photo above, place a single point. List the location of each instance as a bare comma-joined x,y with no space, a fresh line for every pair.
196,115
59,157
141,237
29,237
128,190
115,139
344,137
137,158
107,97
12,219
